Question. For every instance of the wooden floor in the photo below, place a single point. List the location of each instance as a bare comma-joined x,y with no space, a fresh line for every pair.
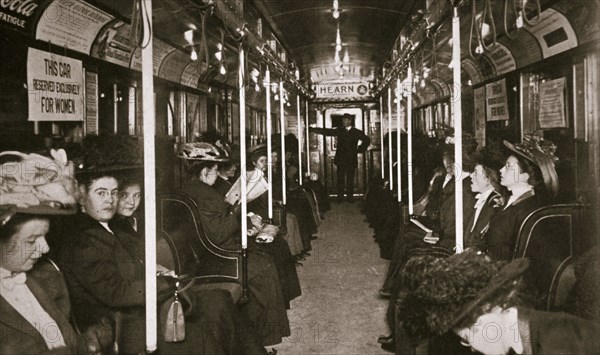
339,311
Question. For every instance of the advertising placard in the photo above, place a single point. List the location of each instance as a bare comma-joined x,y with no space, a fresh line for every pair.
72,24
552,104
497,105
342,91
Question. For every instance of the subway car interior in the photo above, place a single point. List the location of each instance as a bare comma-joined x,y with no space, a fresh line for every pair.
299,177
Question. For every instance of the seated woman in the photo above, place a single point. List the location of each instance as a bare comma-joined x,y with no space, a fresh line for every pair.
481,302
485,182
127,217
266,307
294,237
296,204
34,305
105,273
529,167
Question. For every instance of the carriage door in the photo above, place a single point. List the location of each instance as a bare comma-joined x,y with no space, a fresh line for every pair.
333,119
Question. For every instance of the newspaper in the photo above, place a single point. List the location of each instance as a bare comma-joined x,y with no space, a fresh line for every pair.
256,185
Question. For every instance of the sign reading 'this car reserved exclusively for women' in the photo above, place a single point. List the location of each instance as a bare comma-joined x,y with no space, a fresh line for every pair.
55,87
342,91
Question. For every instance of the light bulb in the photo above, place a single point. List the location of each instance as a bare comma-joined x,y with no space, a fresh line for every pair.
194,55
219,55
287,104
479,49
222,70
189,36
276,97
520,20
395,100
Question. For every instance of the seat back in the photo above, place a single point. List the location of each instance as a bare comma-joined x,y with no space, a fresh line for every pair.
547,237
192,251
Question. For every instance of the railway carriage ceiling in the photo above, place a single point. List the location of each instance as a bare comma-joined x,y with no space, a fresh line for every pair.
299,40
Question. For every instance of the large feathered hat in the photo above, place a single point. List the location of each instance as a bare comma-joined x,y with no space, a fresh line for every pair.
541,152
440,294
201,151
35,184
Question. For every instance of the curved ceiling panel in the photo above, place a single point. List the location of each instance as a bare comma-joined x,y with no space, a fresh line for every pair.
502,59
553,33
307,29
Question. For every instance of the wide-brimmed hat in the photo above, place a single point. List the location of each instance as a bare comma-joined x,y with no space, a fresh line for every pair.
201,151
541,152
440,294
35,184
256,151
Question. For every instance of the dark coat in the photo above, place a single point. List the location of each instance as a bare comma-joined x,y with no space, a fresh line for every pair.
347,144
499,241
222,186
105,274
266,307
473,239
448,210
558,333
219,224
18,336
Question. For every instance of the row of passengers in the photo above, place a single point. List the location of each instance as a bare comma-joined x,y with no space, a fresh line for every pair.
103,263
491,221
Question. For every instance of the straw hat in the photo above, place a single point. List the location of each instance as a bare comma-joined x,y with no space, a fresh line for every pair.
440,294
201,151
541,152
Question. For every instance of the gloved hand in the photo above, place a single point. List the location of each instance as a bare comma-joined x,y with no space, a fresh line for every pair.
99,338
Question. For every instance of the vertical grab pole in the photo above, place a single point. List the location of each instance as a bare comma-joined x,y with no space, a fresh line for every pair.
398,138
282,126
244,187
282,137
409,142
269,143
381,143
307,141
457,113
389,121
299,124
149,132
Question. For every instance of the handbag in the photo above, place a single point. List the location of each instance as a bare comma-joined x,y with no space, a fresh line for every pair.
174,326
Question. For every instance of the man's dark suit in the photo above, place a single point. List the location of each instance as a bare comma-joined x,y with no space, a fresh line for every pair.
345,156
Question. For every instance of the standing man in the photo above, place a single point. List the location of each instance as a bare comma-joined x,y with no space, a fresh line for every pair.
345,156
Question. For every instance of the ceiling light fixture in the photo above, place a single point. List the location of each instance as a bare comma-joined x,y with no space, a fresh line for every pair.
219,52
189,36
336,9
194,55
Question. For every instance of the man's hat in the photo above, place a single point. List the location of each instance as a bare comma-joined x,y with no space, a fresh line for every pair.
440,294
541,152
